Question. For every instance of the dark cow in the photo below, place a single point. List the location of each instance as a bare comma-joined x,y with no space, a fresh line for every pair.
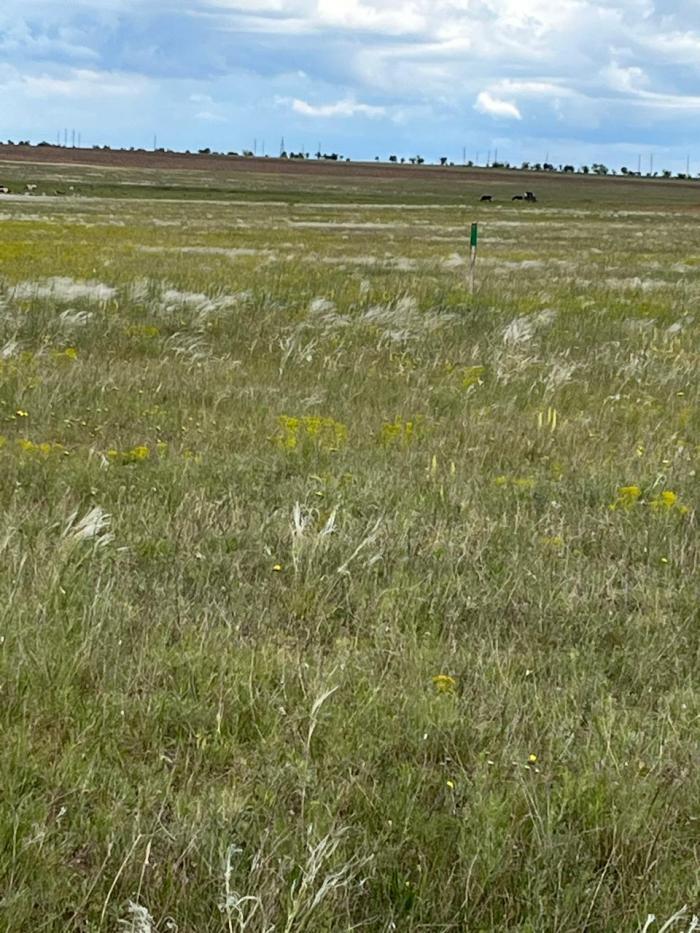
529,196
517,197
486,197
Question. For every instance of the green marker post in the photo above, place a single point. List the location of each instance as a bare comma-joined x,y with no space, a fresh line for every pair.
473,244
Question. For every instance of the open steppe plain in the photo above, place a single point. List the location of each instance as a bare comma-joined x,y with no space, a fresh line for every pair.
334,596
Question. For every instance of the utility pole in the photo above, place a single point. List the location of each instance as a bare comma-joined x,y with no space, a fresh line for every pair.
639,164
687,165
282,146
651,163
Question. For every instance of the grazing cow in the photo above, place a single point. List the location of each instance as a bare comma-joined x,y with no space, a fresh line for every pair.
29,188
529,196
486,197
517,197
4,189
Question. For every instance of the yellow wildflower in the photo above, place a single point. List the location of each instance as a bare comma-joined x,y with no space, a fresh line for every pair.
627,497
324,433
139,453
21,413
277,568
532,759
444,683
665,500
472,375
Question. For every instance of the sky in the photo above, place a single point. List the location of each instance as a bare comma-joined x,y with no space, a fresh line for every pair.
566,81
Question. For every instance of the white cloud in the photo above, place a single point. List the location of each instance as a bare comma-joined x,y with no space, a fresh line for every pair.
342,108
496,107
587,70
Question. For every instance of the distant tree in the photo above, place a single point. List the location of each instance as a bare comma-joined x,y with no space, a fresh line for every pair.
599,169
624,170
392,158
585,169
283,154
419,160
665,173
525,166
537,167
403,160
443,160
568,169
205,151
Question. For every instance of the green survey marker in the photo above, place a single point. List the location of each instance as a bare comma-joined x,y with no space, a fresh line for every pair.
474,236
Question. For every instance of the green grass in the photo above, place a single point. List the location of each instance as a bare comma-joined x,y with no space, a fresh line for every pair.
323,475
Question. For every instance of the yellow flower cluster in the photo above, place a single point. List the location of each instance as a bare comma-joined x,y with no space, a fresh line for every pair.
70,353
142,330
444,683
324,433
630,496
627,498
667,501
398,431
44,449
472,375
134,455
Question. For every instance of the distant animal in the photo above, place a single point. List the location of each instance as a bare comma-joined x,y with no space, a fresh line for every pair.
4,190
486,197
517,197
29,188
529,196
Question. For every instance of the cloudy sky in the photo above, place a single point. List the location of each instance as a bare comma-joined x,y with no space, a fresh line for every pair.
575,80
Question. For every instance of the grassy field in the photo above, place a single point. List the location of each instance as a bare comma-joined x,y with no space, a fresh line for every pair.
333,597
